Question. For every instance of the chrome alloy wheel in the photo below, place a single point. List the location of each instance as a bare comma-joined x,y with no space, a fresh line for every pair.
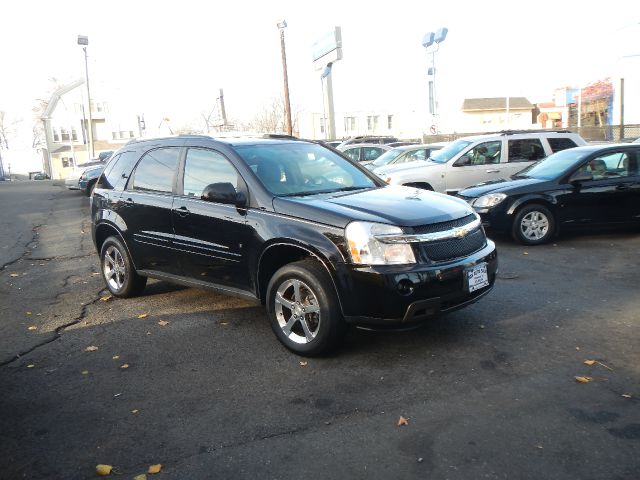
297,311
114,269
534,225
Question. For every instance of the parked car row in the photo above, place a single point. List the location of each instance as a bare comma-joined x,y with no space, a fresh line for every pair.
323,242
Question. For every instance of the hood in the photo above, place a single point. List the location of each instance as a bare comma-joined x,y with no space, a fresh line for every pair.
504,185
382,172
392,204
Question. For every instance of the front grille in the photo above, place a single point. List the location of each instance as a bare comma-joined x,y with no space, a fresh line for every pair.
442,226
455,248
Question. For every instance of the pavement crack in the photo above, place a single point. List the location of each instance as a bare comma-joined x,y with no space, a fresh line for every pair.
27,250
57,333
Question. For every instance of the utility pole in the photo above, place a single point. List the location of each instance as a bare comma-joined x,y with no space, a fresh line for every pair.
84,40
287,106
621,108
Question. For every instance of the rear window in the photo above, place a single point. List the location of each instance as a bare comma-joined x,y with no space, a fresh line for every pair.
560,143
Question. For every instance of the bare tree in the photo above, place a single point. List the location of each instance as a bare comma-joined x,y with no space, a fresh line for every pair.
271,118
8,129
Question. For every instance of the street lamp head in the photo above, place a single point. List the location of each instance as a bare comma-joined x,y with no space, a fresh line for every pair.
428,39
83,40
441,34
282,24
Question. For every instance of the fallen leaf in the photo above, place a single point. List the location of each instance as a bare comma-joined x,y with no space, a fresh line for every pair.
106,298
163,323
13,274
93,273
583,379
593,362
124,366
135,411
85,372
626,395
303,364
154,468
224,323
91,348
115,357
142,476
32,327
143,315
402,421
103,470
31,365
525,253
28,313
117,395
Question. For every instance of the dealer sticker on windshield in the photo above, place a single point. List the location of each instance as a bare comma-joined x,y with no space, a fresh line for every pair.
477,277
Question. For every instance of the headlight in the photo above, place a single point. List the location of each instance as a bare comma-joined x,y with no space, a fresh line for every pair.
365,249
490,200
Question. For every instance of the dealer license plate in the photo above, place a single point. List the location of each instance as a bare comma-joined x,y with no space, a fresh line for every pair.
477,277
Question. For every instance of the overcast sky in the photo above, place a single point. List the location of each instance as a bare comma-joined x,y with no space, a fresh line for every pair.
171,57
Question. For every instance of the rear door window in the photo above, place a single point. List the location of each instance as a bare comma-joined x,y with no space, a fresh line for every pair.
525,150
560,143
156,170
371,153
353,154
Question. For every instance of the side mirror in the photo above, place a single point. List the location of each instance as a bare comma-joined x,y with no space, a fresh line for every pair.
463,160
579,177
223,192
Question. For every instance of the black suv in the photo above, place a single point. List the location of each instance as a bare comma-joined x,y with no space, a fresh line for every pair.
320,241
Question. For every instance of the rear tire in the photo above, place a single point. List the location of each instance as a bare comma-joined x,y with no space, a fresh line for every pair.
534,224
303,308
118,271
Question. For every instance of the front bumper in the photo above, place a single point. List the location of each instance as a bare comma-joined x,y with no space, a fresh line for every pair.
401,296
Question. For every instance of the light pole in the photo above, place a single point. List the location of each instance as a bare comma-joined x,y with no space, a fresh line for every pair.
84,40
287,106
431,41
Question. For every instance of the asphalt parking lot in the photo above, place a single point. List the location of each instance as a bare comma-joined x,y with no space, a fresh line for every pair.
197,382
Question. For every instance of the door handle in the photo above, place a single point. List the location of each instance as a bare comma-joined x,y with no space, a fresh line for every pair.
182,211
493,171
624,186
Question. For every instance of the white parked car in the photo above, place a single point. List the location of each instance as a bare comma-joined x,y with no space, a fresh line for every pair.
481,158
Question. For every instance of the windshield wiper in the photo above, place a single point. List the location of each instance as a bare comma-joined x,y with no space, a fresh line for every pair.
317,192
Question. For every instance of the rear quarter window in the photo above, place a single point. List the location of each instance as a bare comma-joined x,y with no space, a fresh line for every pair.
117,170
560,143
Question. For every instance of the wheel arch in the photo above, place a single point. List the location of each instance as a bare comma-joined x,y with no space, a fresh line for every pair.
105,230
280,252
545,200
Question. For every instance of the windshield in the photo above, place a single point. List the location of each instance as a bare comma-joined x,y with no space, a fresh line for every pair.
450,151
387,157
553,166
290,169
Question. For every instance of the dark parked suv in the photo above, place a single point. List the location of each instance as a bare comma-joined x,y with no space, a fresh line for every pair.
320,241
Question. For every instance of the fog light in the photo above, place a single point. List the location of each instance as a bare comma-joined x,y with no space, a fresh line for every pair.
405,287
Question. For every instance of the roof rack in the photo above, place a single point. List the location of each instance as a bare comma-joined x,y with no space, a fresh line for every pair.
280,136
539,130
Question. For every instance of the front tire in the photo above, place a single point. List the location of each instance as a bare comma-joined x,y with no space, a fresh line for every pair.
303,308
118,271
533,225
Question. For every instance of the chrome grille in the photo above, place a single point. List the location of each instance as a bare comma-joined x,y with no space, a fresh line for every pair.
442,226
455,248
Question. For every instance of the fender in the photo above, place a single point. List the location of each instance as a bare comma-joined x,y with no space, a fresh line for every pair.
314,252
532,197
